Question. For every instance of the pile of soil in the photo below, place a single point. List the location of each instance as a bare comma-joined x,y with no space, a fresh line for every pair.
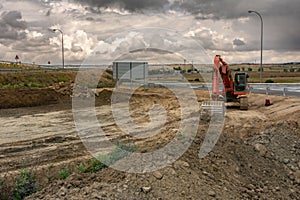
29,97
257,157
236,169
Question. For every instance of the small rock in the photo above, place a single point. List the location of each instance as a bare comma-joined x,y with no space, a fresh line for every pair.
158,175
297,176
171,171
182,163
211,193
286,161
63,191
299,165
251,187
95,196
76,183
292,167
146,189
261,149
277,188
205,173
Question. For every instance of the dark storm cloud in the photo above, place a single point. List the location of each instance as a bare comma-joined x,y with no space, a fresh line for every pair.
281,19
11,25
281,30
13,19
215,9
232,9
130,5
238,42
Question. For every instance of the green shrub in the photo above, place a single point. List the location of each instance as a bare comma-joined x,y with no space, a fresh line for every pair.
292,70
25,184
64,173
250,69
269,81
81,168
95,166
102,161
62,78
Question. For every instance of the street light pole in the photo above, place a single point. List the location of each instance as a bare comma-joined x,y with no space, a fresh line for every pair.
261,41
62,46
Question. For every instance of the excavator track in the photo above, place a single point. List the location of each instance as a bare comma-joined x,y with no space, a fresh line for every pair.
244,103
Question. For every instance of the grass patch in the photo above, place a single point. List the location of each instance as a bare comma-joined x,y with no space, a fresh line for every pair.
23,185
102,161
62,78
64,173
35,79
81,168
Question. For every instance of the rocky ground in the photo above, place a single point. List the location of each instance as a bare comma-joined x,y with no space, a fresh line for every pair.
256,157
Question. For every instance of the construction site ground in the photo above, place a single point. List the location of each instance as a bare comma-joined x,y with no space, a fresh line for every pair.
256,157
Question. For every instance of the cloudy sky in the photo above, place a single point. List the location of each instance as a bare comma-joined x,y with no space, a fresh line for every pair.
105,30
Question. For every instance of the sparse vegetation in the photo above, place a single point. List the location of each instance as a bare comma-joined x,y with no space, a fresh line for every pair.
81,168
64,173
102,161
34,79
25,184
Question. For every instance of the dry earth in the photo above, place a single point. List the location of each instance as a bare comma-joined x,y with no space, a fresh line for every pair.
256,157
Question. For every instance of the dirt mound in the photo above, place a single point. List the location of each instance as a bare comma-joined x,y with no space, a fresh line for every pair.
28,97
257,157
236,169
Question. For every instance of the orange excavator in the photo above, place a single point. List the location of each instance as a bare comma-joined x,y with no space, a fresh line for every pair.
232,90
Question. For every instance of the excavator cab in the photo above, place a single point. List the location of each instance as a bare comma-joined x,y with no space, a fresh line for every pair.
241,82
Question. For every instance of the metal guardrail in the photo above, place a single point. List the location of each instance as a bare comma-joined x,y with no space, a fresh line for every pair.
282,89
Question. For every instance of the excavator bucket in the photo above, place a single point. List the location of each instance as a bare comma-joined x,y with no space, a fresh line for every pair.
212,108
212,112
